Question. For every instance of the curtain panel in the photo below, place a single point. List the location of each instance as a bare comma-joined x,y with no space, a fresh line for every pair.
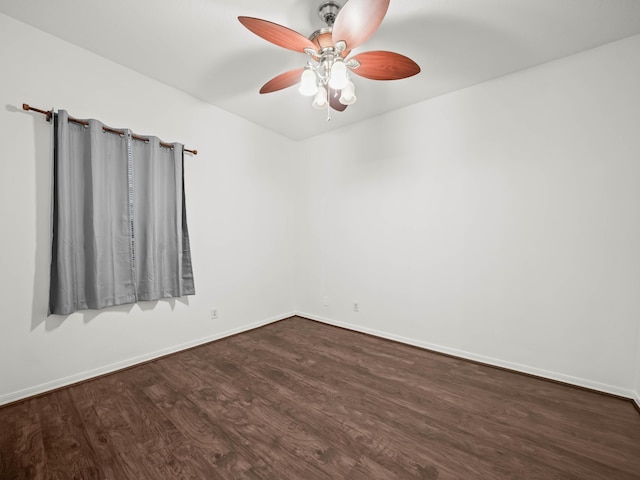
119,224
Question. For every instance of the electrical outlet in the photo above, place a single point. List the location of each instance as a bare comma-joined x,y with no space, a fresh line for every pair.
325,301
356,307
214,314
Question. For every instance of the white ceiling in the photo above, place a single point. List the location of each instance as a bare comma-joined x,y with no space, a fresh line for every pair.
199,47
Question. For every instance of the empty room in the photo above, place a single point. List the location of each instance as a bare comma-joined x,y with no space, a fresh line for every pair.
307,239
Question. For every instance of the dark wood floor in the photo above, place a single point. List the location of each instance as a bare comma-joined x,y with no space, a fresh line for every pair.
301,400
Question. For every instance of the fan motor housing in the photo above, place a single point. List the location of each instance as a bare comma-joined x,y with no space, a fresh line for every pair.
323,41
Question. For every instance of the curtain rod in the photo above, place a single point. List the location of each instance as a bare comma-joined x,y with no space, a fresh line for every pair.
27,107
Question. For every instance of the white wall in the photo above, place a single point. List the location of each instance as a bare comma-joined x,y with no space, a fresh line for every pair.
238,201
500,222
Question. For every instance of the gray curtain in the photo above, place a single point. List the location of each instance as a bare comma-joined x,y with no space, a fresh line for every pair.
119,230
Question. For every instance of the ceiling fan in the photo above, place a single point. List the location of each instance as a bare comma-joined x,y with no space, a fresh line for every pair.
326,74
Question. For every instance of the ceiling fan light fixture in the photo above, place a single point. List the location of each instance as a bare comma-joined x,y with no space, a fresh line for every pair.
326,77
339,78
308,85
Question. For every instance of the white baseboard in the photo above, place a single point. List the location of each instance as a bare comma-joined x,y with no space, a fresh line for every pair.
114,367
580,382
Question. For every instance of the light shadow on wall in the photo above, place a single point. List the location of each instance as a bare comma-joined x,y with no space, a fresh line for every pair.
43,138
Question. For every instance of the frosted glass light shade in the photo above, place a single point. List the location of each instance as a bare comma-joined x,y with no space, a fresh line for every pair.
348,94
320,100
339,76
308,84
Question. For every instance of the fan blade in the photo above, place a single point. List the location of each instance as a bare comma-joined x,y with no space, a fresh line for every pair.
334,100
358,20
277,34
284,80
382,65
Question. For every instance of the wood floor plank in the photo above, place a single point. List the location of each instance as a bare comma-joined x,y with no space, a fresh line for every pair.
318,412
282,376
127,409
21,449
69,453
203,434
372,409
301,400
272,430
99,437
279,436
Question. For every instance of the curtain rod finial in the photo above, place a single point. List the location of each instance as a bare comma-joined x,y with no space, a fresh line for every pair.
27,107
